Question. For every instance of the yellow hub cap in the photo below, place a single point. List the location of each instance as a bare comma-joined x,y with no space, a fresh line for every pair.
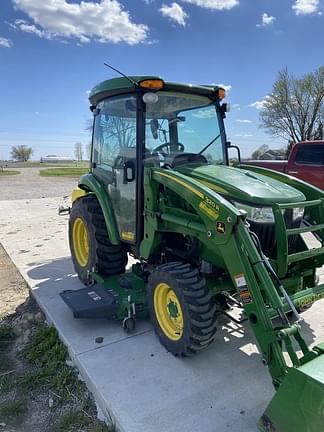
80,242
168,311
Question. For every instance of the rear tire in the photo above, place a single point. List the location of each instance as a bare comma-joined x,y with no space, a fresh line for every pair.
89,243
183,312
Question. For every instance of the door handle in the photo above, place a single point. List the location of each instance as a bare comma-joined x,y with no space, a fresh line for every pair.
293,172
129,168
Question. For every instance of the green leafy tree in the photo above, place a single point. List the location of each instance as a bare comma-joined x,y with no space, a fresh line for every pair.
21,153
295,108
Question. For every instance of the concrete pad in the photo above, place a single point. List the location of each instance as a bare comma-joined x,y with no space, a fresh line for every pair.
133,378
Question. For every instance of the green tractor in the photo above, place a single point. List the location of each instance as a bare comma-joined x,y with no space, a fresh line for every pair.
205,237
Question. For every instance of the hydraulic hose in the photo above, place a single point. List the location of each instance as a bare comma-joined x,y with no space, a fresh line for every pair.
281,288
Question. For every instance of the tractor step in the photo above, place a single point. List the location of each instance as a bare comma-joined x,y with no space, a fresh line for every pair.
91,302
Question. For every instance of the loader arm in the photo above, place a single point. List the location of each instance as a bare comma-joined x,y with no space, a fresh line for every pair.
256,288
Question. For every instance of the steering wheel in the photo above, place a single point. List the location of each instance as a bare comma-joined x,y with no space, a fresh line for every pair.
165,149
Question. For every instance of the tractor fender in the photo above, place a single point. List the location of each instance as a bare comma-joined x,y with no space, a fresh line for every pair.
90,184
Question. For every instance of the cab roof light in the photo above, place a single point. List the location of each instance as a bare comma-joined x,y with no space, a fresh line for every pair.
152,84
221,93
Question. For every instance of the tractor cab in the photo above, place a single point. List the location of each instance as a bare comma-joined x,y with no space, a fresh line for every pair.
152,124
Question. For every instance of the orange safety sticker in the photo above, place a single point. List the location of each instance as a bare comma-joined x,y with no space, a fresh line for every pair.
243,289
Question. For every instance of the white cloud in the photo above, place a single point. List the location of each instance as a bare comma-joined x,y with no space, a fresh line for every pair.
304,7
266,20
26,27
244,135
4,42
214,4
237,107
243,121
210,113
103,21
260,103
175,12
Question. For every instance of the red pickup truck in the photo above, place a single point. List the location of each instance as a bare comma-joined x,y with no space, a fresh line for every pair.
306,162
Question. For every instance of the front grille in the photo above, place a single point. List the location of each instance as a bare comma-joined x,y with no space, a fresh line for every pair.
267,234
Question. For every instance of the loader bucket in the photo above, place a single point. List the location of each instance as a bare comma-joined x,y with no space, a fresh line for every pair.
298,405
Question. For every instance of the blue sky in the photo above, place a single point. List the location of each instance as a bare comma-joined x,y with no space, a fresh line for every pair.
52,52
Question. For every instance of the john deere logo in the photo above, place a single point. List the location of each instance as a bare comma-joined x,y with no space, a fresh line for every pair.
221,227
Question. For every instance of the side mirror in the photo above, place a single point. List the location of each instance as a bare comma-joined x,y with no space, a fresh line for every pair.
129,172
229,146
225,108
154,128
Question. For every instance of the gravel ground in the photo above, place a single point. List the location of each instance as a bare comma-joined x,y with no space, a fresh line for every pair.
14,187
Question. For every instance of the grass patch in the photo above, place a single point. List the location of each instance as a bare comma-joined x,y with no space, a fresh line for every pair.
43,370
12,411
64,172
7,383
72,421
6,172
7,336
77,420
48,356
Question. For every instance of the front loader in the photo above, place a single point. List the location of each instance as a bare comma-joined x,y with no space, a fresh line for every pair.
205,237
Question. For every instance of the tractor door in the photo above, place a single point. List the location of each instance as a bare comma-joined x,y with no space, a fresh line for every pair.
114,159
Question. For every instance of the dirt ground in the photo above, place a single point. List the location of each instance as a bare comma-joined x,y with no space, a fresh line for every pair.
29,184
39,389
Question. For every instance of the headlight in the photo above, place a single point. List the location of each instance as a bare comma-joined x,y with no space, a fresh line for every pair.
257,214
262,214
265,214
298,213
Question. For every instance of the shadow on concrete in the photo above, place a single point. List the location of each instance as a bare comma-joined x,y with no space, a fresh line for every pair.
52,277
49,278
53,269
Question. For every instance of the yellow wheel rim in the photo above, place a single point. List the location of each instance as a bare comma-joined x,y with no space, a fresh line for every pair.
80,242
168,311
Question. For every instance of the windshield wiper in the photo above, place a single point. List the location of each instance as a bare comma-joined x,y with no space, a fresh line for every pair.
209,144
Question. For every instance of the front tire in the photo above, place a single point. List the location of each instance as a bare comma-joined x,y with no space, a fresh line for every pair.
90,247
182,309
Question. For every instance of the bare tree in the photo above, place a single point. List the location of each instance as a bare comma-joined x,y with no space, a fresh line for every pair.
78,151
88,150
259,151
295,108
21,153
120,131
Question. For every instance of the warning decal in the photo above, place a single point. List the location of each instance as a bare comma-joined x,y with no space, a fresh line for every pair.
243,289
95,296
213,213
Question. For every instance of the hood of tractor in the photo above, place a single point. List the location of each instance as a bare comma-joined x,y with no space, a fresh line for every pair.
243,185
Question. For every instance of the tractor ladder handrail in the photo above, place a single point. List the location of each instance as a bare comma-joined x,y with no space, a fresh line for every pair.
283,258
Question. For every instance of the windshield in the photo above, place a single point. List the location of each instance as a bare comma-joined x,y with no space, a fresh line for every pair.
183,123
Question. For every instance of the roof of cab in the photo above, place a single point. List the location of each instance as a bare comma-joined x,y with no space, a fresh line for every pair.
123,85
